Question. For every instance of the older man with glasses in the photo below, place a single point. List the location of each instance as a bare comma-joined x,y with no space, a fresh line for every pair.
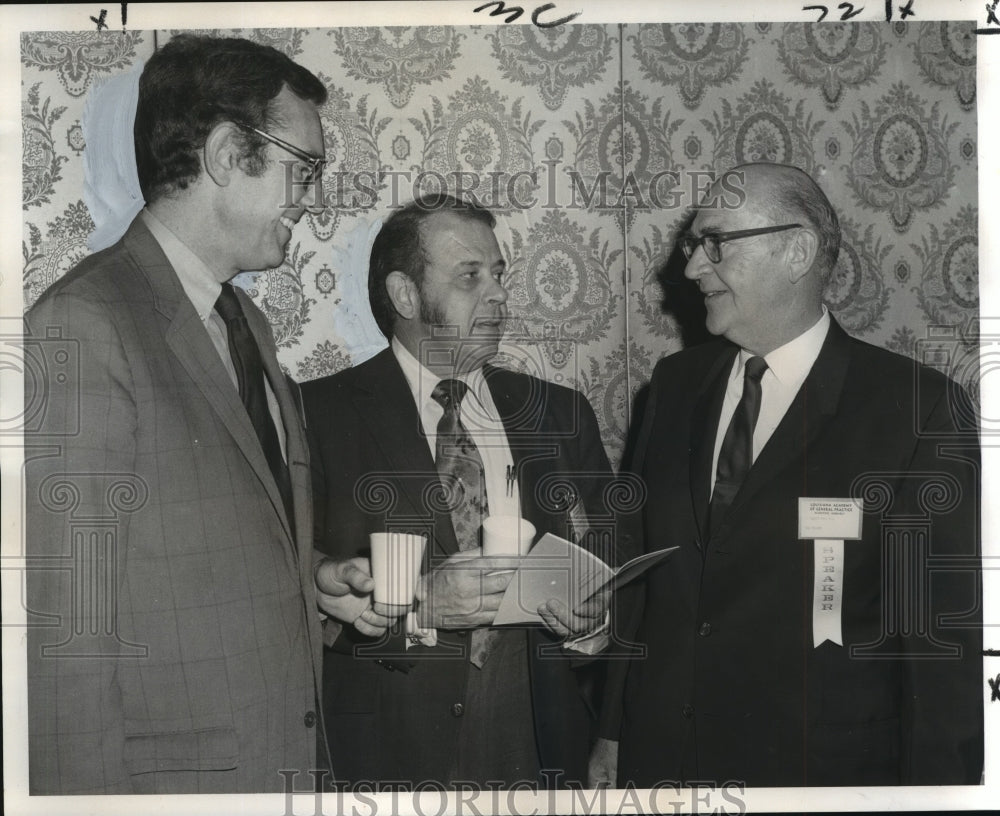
806,632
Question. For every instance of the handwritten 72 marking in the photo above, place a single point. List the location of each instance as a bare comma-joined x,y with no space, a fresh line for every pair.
850,11
513,12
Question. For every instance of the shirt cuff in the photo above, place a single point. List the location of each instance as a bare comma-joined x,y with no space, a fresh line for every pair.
418,636
593,642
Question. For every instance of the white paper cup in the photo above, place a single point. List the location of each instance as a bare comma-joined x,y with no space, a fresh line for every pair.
396,559
507,535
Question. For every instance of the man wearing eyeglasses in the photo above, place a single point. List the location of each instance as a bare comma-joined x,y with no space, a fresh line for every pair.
820,623
182,651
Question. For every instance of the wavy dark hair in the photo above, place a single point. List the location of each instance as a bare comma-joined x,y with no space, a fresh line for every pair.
398,248
190,85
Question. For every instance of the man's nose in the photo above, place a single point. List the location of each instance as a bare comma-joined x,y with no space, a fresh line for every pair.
312,196
497,292
698,264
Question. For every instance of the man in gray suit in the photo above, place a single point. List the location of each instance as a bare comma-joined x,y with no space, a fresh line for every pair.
175,637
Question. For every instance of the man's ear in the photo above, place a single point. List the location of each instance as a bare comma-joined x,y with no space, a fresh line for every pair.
404,294
800,253
221,153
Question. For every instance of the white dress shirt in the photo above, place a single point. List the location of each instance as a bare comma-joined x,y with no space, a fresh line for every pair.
202,289
479,416
787,368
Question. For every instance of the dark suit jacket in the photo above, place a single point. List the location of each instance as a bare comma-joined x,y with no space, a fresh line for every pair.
182,647
731,687
375,470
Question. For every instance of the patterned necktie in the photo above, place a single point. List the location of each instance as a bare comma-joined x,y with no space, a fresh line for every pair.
460,468
250,377
736,454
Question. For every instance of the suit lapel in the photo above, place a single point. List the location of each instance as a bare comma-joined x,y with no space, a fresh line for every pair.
810,411
513,409
704,425
189,341
385,403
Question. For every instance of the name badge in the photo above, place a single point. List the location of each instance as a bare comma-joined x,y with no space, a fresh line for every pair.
830,518
829,522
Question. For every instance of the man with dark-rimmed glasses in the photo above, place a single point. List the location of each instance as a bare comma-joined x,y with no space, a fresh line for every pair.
184,649
805,632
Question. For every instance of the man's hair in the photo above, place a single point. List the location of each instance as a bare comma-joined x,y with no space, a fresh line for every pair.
190,85
399,247
795,194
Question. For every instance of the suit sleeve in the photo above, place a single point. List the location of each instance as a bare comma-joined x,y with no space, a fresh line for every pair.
80,456
942,706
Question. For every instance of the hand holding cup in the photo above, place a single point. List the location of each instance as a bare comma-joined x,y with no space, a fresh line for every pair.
396,559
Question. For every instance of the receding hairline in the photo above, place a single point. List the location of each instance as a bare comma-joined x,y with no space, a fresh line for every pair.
765,183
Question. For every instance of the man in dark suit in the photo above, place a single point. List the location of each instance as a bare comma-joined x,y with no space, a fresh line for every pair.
463,702
795,639
176,643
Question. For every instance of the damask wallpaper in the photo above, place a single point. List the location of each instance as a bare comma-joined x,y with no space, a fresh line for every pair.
591,143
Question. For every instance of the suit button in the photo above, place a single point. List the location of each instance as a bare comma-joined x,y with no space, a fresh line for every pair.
457,710
688,712
705,629
309,719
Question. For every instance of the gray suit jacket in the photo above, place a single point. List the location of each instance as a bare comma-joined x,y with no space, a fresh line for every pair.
174,643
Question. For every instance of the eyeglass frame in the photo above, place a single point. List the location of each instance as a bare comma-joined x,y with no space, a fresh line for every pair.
689,243
316,164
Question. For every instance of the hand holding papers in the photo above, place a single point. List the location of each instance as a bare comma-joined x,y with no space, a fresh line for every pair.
556,568
464,591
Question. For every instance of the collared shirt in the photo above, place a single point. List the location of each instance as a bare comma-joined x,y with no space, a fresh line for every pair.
479,416
787,368
481,419
203,289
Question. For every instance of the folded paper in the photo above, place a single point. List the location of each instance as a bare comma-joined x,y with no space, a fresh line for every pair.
557,568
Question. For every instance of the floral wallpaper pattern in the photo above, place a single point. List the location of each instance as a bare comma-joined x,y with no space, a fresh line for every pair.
591,144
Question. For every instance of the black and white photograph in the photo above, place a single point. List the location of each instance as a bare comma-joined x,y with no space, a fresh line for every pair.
500,407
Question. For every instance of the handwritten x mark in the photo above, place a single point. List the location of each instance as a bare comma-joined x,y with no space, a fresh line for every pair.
994,688
100,22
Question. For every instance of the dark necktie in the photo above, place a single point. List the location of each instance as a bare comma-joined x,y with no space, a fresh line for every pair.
736,454
250,377
460,468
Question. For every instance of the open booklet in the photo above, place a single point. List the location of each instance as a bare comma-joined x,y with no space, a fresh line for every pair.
557,568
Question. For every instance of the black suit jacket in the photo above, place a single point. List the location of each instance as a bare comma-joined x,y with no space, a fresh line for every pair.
390,712
731,687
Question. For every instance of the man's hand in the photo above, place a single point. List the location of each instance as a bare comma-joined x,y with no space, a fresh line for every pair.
464,592
602,770
343,591
568,624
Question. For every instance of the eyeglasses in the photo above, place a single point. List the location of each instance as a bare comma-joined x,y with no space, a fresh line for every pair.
314,164
713,241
